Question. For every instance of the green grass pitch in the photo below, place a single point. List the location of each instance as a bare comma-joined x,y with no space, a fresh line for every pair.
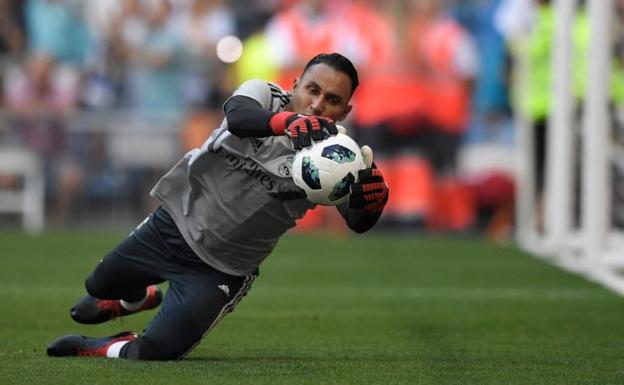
369,309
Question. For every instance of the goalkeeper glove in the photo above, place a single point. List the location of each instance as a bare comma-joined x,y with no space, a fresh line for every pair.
302,129
370,192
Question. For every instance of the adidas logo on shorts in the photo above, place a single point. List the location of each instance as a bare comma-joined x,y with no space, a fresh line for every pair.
225,289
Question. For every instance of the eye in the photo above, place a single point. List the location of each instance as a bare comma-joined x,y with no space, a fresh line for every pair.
314,90
333,100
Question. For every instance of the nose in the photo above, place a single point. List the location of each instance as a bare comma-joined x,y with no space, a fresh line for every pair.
317,106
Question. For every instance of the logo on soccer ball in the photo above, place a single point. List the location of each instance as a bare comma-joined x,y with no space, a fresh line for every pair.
338,153
310,173
342,187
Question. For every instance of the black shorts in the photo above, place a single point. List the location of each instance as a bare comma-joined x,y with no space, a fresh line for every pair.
198,296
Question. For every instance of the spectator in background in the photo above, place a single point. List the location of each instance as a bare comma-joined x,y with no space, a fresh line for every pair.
618,59
257,61
418,107
151,44
12,27
12,44
126,26
491,120
487,155
618,137
57,28
147,43
207,22
250,15
534,95
41,93
444,58
339,25
104,65
40,98
12,35
528,26
351,28
205,75
44,93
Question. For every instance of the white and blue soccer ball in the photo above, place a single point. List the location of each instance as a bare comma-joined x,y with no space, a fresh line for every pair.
326,170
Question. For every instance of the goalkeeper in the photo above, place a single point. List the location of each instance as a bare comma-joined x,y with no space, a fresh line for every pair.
223,208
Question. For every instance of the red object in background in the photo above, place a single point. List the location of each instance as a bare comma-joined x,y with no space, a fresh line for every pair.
453,206
495,189
410,181
313,220
384,96
433,51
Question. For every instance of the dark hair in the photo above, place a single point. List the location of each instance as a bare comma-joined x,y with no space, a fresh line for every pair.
337,62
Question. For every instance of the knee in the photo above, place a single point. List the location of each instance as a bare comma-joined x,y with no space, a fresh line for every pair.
143,348
96,289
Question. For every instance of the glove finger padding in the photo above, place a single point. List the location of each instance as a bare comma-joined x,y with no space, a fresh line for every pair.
299,132
303,129
306,127
371,174
367,155
329,125
316,129
370,192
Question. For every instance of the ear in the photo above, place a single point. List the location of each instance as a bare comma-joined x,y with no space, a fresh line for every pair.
295,83
346,113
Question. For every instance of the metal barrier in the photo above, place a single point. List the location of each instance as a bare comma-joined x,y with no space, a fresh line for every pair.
26,198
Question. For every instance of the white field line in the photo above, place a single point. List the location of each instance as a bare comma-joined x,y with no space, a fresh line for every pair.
494,293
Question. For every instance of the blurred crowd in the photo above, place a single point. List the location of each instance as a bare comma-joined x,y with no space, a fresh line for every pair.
109,93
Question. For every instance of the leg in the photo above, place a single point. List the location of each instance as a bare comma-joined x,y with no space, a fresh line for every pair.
124,274
194,304
198,297
120,276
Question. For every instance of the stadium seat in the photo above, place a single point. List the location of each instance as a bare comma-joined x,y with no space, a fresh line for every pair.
25,198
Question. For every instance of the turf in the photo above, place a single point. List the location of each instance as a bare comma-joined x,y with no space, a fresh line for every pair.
367,309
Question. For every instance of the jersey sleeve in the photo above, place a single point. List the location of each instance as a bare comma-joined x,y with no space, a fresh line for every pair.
270,96
257,90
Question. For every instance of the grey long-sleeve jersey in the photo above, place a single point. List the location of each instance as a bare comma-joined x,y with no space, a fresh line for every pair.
218,194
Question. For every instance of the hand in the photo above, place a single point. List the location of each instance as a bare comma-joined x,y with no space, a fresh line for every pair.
302,129
370,192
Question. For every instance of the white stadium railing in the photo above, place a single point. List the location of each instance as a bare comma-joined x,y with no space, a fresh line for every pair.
131,141
28,198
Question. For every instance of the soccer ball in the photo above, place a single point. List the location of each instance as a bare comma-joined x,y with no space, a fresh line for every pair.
326,170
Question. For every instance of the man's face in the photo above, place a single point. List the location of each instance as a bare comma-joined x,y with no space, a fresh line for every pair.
322,91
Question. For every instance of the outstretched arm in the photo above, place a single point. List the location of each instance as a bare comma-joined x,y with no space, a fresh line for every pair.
246,118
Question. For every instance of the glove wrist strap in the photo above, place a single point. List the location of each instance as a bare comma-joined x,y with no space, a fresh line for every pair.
277,123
